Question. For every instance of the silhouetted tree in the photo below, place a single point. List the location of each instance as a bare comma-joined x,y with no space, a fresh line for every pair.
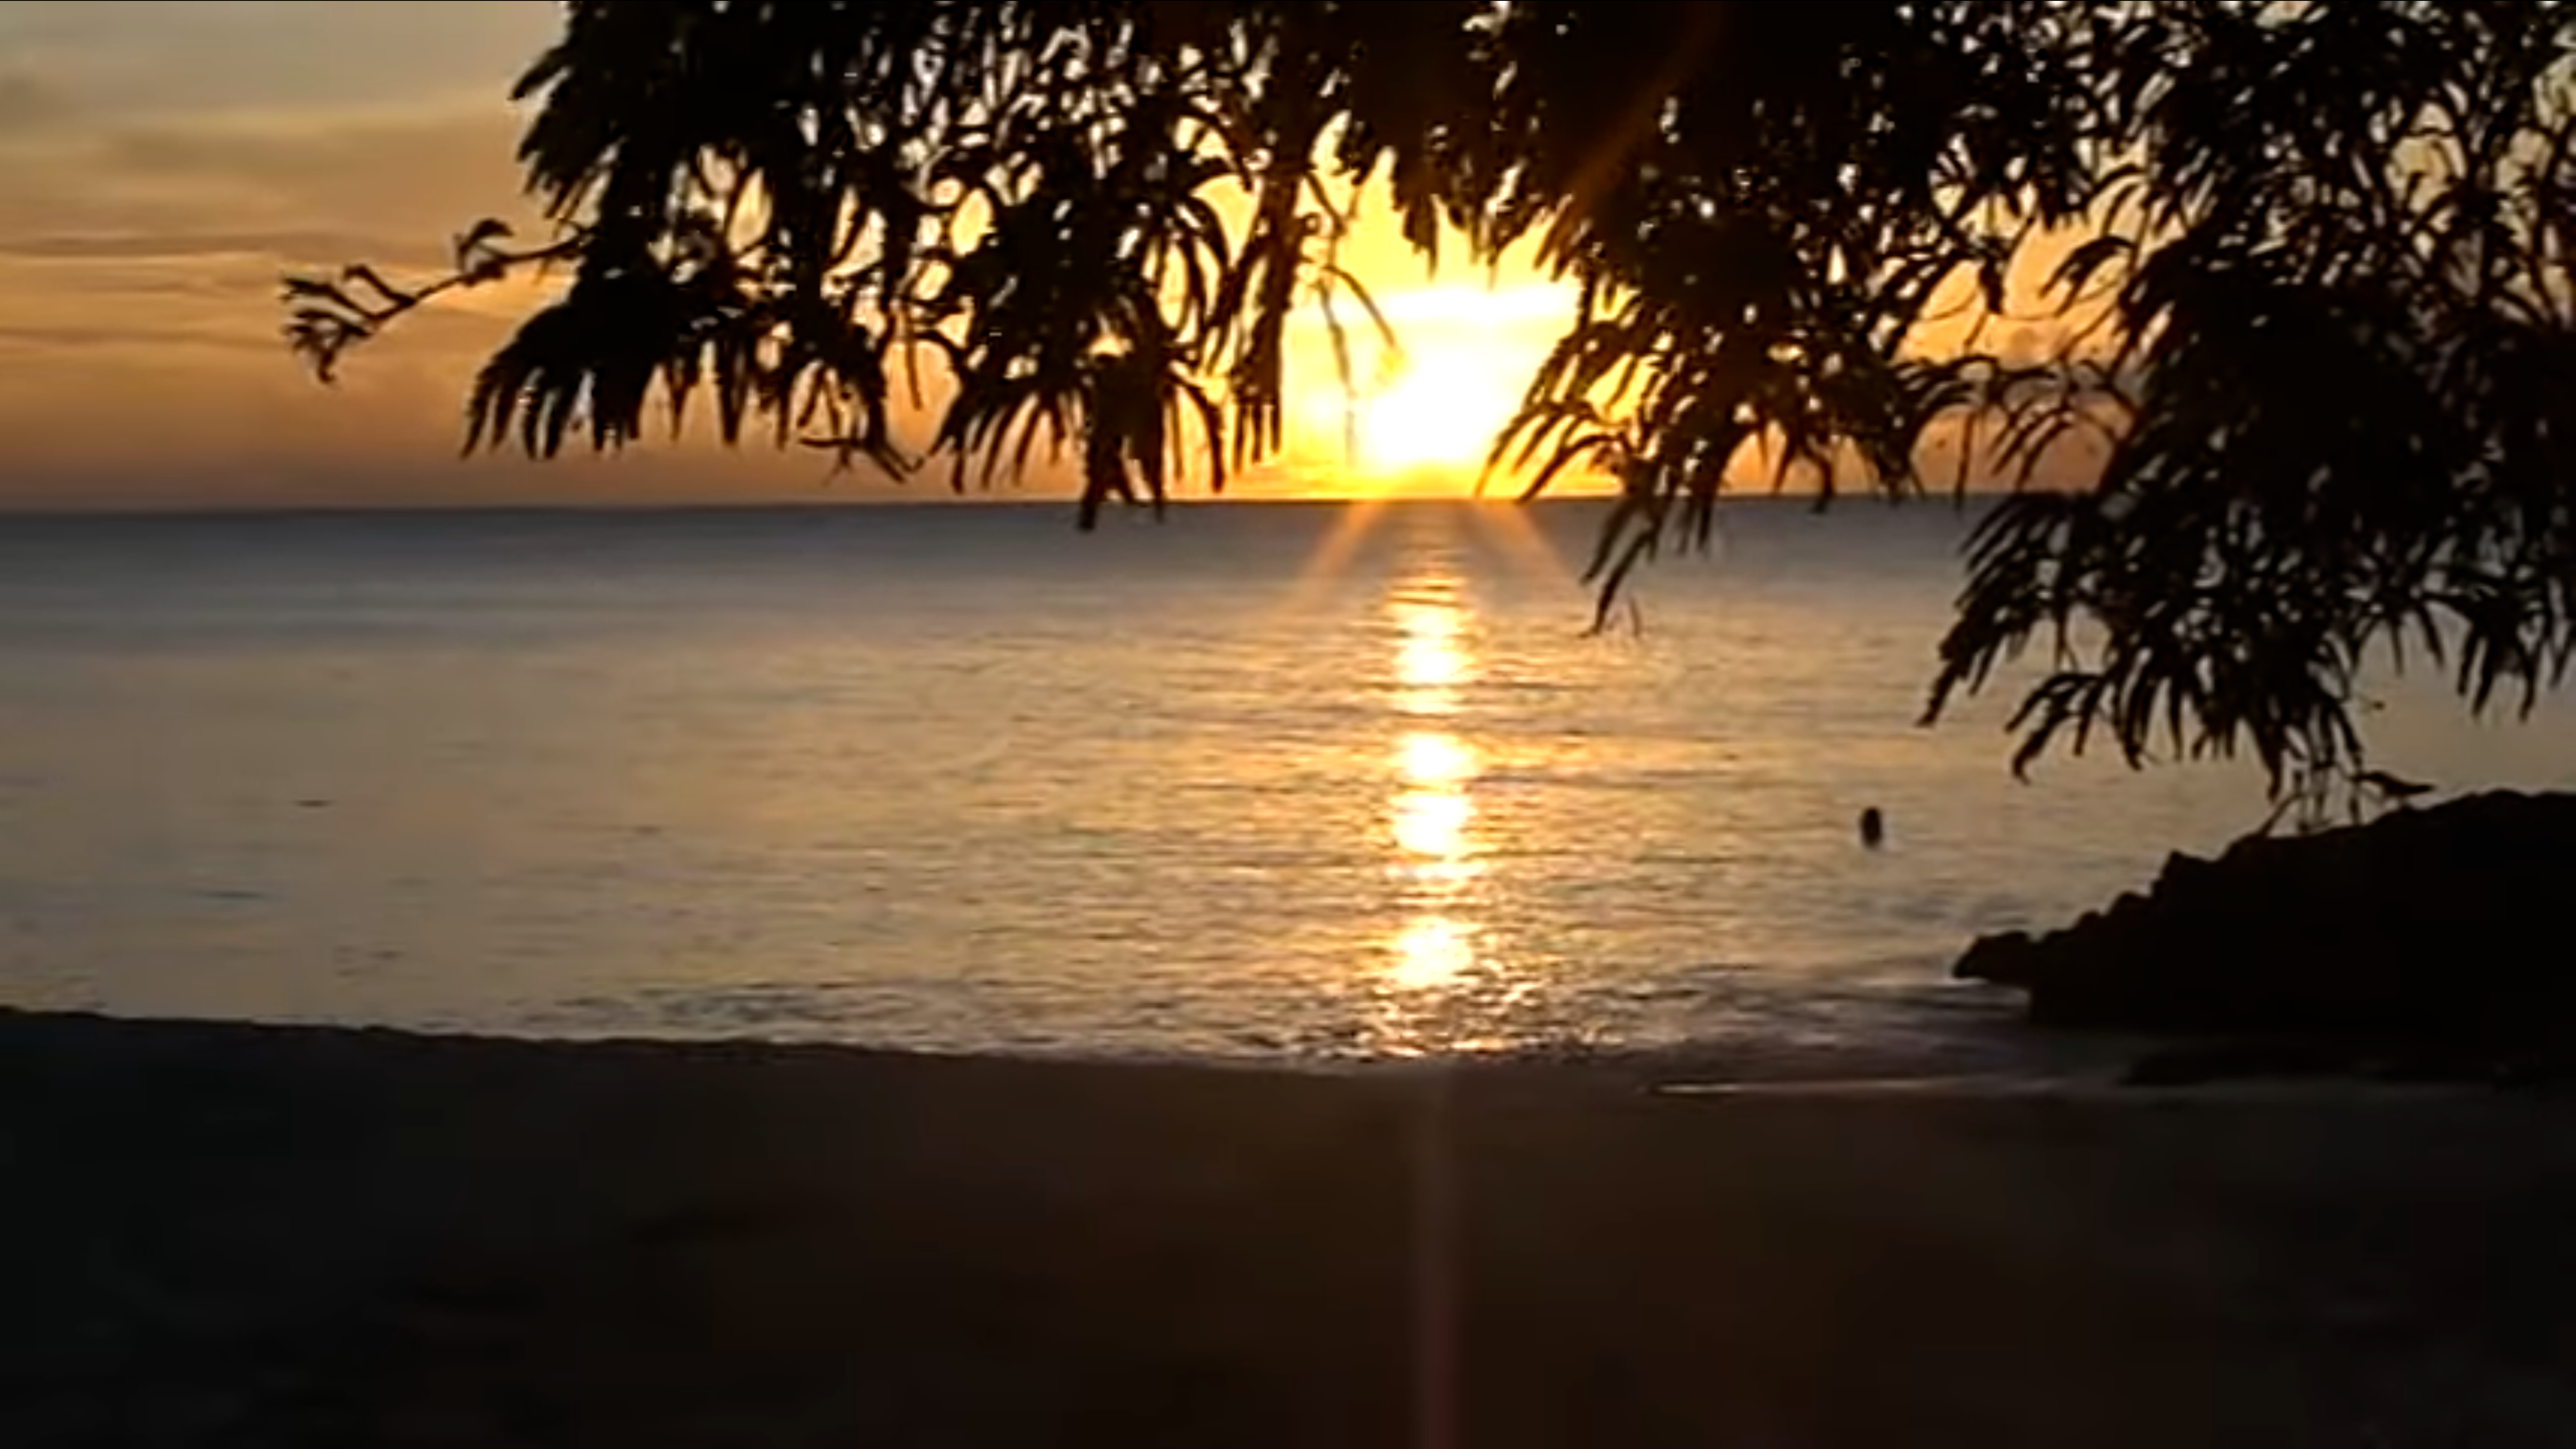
2310,265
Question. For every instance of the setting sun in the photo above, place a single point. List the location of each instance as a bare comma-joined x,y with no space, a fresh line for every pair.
1425,411
1442,412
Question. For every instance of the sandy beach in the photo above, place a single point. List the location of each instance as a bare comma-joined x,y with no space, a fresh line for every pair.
221,1235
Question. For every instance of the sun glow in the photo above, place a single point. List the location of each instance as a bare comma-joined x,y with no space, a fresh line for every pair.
1422,414
1442,414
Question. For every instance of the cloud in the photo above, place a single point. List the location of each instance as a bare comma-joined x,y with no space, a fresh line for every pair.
162,164
315,189
28,104
190,58
51,338
139,313
422,173
299,247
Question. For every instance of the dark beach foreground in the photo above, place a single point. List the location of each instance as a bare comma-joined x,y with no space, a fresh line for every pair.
219,1235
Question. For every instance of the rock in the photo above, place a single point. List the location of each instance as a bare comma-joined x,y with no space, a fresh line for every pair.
2187,874
2429,931
2009,958
2191,1066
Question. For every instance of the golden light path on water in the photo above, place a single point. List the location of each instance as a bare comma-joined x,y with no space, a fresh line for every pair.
1431,815
1441,982
1431,819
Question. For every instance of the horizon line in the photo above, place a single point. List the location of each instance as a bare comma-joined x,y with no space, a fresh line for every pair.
21,513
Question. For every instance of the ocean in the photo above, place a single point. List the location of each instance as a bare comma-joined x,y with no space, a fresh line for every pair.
1285,783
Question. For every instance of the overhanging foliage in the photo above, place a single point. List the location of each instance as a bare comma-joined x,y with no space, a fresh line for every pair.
2310,264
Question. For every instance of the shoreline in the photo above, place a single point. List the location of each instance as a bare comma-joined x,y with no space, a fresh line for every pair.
238,1234
2003,1051
1685,1070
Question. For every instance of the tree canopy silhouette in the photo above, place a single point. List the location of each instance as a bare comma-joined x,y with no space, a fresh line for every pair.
2308,265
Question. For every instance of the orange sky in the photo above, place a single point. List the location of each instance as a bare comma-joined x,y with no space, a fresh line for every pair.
162,163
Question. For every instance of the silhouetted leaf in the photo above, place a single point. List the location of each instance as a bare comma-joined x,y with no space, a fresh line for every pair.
2314,307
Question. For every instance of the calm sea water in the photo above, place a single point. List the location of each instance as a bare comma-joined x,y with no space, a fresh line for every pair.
1282,782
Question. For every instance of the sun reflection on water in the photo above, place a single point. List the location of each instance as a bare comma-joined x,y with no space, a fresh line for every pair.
1431,816
1428,657
1431,951
1430,758
1430,829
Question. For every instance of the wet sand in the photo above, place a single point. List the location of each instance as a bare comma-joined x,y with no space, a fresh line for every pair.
218,1235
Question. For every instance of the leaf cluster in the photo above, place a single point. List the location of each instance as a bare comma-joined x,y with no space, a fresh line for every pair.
2302,276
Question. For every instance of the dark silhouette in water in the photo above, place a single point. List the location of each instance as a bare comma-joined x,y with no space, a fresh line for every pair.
1873,828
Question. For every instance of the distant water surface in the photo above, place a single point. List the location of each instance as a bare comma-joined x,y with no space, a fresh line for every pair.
1309,782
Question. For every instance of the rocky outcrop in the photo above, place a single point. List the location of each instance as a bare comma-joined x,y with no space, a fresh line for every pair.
2435,929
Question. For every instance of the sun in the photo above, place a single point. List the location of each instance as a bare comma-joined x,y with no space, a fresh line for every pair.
1417,410
1440,414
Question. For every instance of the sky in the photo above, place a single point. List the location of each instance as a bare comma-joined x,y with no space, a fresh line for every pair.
162,164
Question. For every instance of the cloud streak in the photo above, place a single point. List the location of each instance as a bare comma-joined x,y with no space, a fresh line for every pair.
294,247
162,166
54,338
28,105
